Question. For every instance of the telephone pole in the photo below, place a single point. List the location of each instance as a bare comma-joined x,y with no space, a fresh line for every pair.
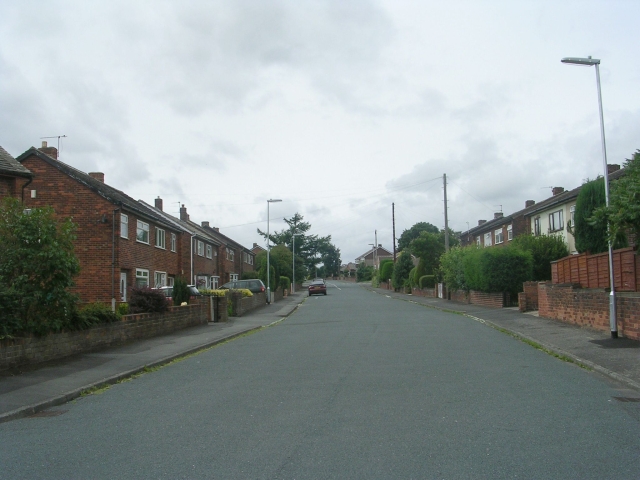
446,218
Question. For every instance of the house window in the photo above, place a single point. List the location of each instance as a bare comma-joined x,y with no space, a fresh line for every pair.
160,238
173,242
209,251
499,236
170,281
200,248
487,239
201,281
556,221
142,233
142,277
215,282
230,254
572,216
536,227
233,277
124,225
509,232
160,279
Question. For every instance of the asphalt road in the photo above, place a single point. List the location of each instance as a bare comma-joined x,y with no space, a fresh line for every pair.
352,385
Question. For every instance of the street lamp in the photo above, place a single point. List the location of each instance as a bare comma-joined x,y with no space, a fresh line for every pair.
293,248
271,200
612,296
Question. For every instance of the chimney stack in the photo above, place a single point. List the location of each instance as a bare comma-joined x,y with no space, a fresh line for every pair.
184,216
158,203
205,224
613,167
216,229
529,203
51,151
97,176
480,222
557,190
497,215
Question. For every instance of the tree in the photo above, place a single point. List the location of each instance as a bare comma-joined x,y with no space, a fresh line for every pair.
590,238
544,250
428,247
452,267
364,272
414,232
623,214
386,269
401,270
37,268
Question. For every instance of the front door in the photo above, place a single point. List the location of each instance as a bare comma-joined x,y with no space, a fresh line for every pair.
123,286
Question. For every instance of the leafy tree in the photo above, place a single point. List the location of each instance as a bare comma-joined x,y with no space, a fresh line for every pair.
623,214
364,273
590,238
414,232
452,267
386,269
37,268
428,247
401,270
544,250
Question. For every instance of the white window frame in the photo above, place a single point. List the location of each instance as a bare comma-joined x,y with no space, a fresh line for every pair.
572,216
202,281
209,251
142,232
509,233
215,282
200,248
233,277
230,254
499,236
173,242
142,277
160,279
556,221
170,281
161,238
124,225
537,228
487,239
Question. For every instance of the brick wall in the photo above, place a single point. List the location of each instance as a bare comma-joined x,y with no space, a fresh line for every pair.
459,296
528,299
492,300
589,307
425,292
243,305
33,350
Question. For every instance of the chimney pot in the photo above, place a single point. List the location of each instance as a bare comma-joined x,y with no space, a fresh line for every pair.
44,144
158,203
184,216
557,190
529,203
97,176
613,167
51,151
205,224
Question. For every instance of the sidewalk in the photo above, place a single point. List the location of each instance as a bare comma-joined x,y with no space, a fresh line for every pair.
38,389
616,358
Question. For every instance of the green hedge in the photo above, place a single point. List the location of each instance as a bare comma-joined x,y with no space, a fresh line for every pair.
285,283
497,269
427,281
386,270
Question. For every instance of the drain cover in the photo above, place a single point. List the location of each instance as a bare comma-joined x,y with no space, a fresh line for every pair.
48,413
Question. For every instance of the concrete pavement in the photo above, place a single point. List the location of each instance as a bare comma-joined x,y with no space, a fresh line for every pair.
36,390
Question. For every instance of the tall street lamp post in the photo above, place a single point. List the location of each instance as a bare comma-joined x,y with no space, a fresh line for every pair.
271,200
293,271
612,296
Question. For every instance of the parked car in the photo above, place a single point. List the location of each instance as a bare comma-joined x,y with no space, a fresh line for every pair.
168,291
253,285
317,286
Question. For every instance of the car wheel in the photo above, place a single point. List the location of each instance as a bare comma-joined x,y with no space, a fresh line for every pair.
325,293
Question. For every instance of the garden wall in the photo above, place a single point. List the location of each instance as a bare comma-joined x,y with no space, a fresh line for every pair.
425,292
491,300
528,299
589,307
33,350
242,305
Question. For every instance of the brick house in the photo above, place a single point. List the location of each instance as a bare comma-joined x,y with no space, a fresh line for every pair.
374,255
13,176
235,259
256,249
202,251
120,242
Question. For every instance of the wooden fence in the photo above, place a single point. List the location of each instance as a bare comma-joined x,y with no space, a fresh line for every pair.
592,271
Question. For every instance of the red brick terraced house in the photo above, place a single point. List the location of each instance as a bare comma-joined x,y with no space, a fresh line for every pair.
120,242
235,259
13,176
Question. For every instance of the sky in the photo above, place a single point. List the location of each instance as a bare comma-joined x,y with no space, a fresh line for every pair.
338,108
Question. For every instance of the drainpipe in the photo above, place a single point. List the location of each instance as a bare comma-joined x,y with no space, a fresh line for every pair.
113,261
192,279
25,186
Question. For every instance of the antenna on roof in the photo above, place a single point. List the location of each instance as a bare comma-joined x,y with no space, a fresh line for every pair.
498,206
58,137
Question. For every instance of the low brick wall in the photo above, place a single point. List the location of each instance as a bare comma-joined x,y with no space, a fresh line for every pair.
425,292
528,299
491,300
459,296
33,350
246,304
589,307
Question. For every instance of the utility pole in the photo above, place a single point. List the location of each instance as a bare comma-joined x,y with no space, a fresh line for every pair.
393,219
446,219
375,252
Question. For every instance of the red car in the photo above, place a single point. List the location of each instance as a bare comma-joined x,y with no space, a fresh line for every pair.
317,286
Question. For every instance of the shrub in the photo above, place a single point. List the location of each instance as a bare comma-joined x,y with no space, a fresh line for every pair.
375,279
386,270
95,314
544,250
364,272
285,283
122,308
427,281
413,281
214,293
497,269
403,266
146,300
180,292
250,275
452,267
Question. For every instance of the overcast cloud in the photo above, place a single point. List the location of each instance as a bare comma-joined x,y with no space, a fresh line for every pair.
339,108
